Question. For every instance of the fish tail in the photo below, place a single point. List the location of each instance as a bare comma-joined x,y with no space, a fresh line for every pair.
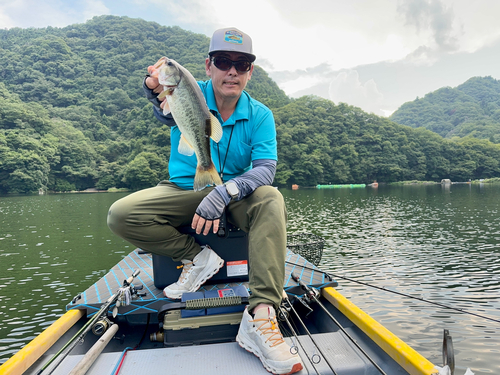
205,177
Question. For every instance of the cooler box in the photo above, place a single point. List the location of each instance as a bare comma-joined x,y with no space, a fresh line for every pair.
233,249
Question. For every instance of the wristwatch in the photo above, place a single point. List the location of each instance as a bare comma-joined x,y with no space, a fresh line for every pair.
232,189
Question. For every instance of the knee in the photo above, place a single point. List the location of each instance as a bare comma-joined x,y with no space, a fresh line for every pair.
270,199
269,194
117,217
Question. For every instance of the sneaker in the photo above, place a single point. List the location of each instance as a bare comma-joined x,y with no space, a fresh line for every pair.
261,336
195,273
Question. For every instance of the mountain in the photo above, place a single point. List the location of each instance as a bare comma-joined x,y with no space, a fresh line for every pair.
80,87
471,109
73,116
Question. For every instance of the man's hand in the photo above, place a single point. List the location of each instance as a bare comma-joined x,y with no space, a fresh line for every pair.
209,212
152,81
198,223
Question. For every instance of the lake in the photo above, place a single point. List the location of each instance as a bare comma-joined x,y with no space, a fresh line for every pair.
436,243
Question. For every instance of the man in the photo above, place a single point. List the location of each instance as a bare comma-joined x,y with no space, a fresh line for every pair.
246,157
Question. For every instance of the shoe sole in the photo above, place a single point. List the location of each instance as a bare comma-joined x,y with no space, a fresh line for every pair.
202,279
255,351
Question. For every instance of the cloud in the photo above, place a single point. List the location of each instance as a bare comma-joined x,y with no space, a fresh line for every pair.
433,16
92,8
55,13
347,88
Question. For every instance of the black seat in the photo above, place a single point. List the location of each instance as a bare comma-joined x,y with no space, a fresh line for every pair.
233,248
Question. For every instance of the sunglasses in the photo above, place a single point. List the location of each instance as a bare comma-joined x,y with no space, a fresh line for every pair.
223,63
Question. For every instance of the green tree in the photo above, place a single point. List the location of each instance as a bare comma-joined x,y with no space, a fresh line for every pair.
138,174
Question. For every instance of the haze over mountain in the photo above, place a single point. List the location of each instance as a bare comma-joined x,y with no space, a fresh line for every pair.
471,109
373,54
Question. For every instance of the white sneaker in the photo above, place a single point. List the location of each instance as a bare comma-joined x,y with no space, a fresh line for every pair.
261,336
195,273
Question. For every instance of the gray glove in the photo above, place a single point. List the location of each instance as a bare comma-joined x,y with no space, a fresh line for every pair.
213,205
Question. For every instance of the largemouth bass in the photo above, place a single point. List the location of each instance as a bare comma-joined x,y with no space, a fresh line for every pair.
188,107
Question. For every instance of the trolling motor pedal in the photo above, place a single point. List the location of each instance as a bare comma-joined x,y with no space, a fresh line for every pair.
448,353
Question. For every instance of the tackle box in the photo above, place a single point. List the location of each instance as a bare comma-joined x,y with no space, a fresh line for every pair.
215,324
199,329
233,249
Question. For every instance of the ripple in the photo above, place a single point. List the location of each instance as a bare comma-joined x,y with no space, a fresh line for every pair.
436,247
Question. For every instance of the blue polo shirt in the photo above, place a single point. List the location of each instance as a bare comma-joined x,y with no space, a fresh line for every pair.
253,138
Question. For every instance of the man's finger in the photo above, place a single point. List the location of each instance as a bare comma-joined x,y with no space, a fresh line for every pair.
194,223
216,225
199,225
208,225
152,83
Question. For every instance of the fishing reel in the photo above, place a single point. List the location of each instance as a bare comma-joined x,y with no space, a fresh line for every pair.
306,300
101,326
126,294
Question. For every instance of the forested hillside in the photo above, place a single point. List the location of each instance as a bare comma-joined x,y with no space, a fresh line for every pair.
471,109
320,142
72,110
73,116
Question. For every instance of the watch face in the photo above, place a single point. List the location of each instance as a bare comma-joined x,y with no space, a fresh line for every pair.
232,189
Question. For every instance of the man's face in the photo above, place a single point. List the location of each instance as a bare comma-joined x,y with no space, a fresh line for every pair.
228,84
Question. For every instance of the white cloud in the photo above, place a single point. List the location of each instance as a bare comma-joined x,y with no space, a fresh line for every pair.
300,83
347,88
92,8
55,13
305,47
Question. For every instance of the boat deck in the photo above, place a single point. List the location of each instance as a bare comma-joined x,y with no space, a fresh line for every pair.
93,298
339,355
228,359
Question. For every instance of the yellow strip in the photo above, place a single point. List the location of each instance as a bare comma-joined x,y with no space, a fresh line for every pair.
23,359
402,353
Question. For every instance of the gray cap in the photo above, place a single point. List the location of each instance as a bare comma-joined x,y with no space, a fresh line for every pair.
231,39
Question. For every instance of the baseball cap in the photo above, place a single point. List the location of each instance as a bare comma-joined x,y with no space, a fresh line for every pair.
231,39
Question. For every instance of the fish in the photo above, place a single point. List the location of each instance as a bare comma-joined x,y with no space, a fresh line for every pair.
196,123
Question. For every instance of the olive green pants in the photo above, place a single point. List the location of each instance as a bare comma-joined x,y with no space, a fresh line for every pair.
148,219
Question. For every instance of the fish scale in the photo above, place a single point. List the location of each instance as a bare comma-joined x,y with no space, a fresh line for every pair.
197,125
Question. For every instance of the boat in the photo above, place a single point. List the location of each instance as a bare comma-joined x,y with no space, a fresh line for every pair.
122,324
340,186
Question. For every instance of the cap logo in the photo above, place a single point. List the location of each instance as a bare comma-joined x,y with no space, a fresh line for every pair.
233,36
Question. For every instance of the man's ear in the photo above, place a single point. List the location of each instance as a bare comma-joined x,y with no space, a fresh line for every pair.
208,66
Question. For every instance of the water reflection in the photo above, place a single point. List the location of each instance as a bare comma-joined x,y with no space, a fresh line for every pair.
429,242
52,247
432,243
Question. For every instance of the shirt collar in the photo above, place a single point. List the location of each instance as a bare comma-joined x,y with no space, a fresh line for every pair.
240,113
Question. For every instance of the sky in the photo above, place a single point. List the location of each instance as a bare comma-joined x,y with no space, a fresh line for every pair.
373,54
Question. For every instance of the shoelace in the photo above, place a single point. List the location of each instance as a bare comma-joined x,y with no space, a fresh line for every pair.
270,327
186,267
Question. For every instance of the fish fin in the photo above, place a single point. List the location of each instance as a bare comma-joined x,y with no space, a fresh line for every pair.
166,92
166,109
163,94
206,177
184,147
216,129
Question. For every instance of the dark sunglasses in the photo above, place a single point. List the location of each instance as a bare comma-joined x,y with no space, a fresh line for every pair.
223,63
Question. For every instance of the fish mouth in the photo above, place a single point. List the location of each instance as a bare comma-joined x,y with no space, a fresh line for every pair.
162,79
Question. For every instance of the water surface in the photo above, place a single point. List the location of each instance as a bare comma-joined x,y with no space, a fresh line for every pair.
438,244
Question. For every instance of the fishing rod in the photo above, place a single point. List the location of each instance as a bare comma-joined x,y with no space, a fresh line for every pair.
285,316
312,294
332,275
78,337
